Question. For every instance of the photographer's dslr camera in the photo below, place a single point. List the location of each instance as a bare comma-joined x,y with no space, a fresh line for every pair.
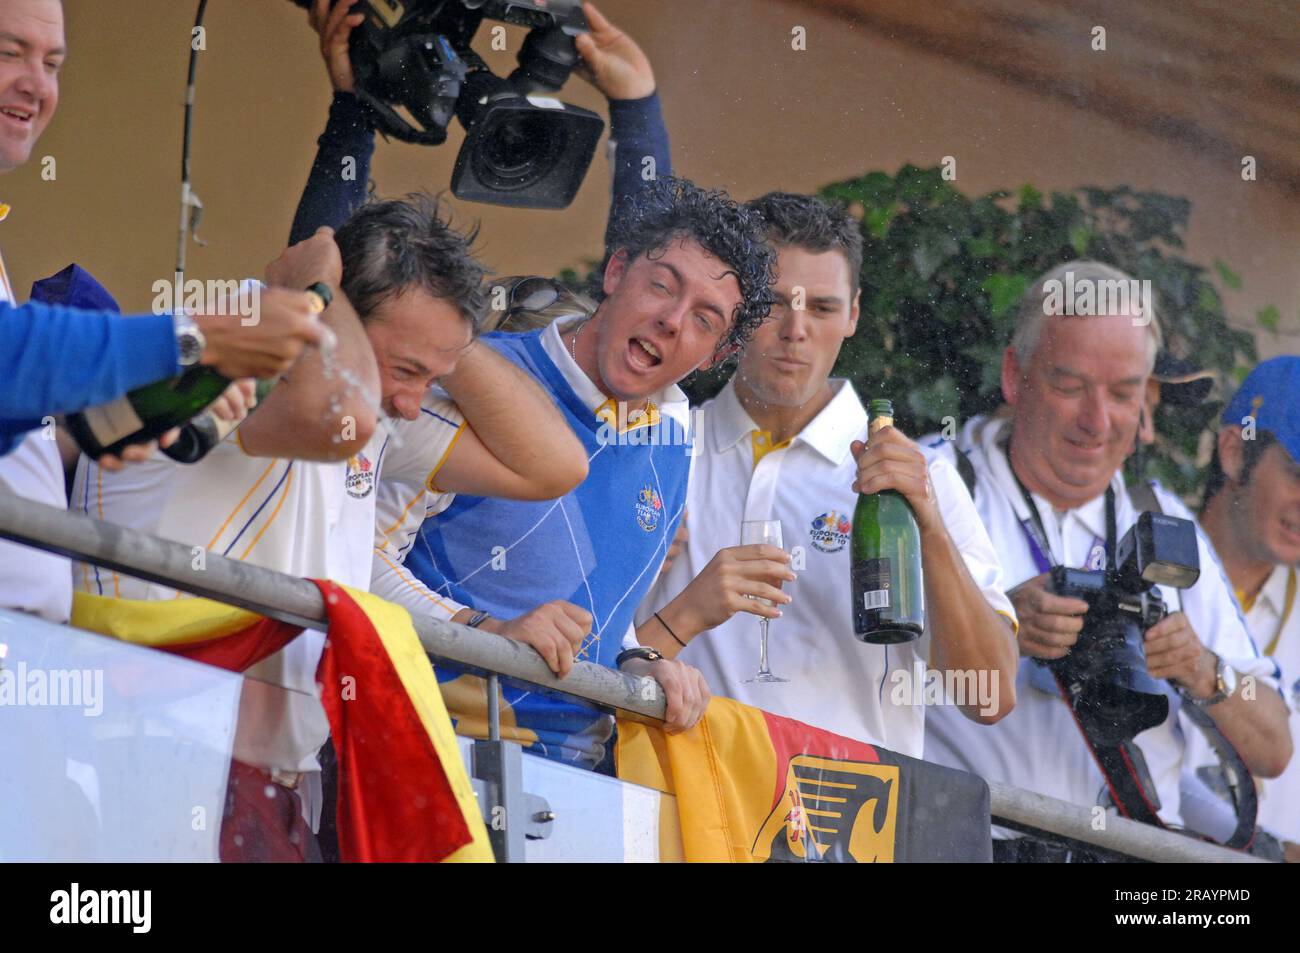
414,70
1105,675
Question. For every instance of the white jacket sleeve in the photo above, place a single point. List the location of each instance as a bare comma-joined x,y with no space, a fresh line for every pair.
400,510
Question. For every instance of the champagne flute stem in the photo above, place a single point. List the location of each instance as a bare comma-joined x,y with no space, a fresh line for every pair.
762,647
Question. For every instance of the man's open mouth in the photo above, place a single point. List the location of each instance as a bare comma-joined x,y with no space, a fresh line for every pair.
644,353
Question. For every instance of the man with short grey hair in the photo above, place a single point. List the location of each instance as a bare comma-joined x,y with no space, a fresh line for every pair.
1080,288
1047,482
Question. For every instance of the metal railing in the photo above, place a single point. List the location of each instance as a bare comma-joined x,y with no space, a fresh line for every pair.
299,602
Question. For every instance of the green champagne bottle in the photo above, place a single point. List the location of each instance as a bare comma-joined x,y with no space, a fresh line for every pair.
885,551
148,412
198,437
145,413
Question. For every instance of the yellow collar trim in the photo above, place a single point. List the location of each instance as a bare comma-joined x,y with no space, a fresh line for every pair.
1247,603
615,414
760,441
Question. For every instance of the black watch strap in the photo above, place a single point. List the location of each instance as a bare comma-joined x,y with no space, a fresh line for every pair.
639,651
324,295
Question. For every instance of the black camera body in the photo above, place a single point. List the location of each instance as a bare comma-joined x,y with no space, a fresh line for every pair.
415,70
1105,674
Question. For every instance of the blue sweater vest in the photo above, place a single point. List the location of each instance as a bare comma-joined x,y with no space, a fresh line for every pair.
599,546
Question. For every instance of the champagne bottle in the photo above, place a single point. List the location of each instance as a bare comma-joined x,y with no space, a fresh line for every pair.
205,431
148,412
145,413
885,551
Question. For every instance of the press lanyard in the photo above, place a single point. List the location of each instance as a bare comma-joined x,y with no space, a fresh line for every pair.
1036,534
1287,605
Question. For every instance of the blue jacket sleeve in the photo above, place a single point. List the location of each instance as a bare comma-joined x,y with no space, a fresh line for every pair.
336,186
55,360
636,127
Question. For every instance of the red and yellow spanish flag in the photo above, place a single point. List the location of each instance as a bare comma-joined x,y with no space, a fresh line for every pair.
403,791
754,787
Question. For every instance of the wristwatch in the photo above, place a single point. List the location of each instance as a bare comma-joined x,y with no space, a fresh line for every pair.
1225,683
189,339
639,651
324,296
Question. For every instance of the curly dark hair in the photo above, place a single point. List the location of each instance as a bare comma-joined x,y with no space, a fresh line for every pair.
392,246
670,209
805,221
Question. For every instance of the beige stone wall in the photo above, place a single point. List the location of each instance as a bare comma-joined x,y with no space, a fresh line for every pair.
746,113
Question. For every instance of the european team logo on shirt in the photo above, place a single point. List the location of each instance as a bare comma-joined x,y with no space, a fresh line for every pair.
830,532
360,480
648,508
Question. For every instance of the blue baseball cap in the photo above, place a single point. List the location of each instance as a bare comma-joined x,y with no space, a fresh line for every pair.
76,288
1271,395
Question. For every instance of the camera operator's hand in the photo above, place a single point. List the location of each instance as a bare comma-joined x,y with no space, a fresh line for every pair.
1175,652
611,60
685,689
335,25
1049,624
890,461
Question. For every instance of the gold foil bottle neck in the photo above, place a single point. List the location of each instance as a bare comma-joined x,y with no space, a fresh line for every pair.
879,422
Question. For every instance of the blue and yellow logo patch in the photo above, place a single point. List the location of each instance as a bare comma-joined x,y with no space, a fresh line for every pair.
648,508
360,479
829,532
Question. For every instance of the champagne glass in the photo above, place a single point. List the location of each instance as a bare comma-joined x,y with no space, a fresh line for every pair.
769,532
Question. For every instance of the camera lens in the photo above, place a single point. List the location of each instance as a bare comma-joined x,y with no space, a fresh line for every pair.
1119,698
519,149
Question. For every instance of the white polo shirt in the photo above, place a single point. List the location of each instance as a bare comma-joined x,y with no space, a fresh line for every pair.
302,518
1276,633
1274,623
33,580
405,498
1038,746
835,681
404,504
